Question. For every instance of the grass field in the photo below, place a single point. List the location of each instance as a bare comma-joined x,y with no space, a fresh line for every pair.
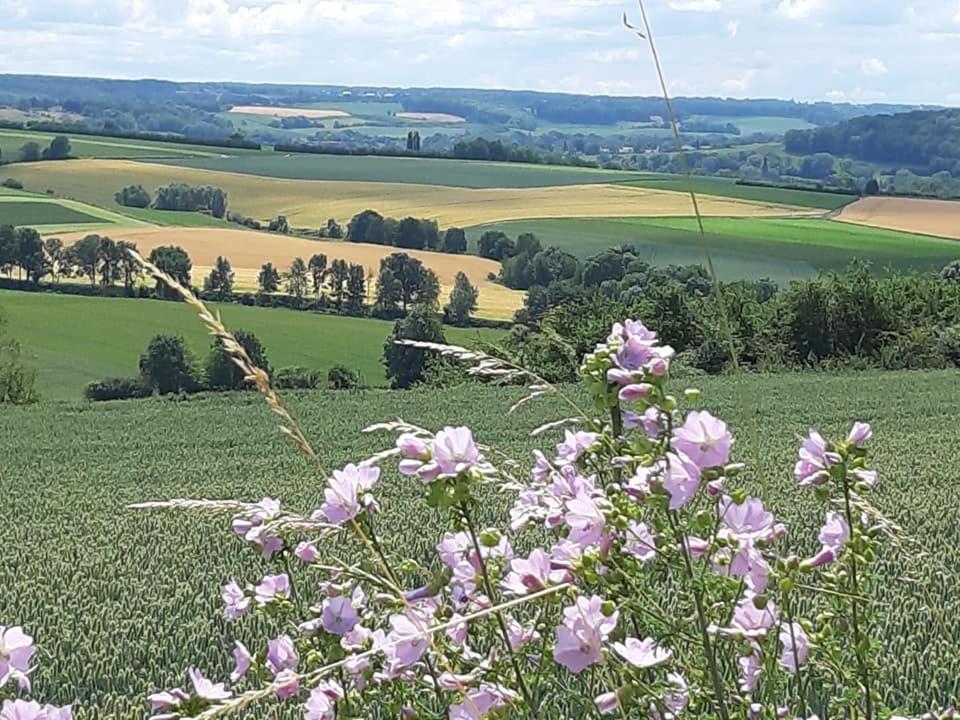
781,249
757,124
727,187
73,340
919,215
58,215
248,251
309,203
23,212
89,146
421,171
126,599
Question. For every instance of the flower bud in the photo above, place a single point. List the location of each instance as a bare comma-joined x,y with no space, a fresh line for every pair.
490,537
692,394
608,608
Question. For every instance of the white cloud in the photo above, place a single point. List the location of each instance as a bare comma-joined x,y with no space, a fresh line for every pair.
695,5
798,9
614,56
733,27
873,66
956,18
741,84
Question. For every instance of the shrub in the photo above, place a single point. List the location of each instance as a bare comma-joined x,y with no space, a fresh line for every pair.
13,184
340,377
17,381
405,365
116,389
222,373
134,196
298,378
167,366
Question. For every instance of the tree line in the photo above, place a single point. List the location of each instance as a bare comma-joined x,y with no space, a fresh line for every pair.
179,196
58,149
410,233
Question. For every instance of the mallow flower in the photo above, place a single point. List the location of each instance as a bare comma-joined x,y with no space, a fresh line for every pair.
581,636
704,439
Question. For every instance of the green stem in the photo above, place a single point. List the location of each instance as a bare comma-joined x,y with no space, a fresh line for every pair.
702,620
858,638
616,423
504,632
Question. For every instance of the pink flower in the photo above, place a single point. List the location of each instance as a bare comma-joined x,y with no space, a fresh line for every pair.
167,700
236,604
481,702
574,445
835,532
520,635
407,632
322,702
630,328
16,649
682,480
339,616
286,684
250,525
751,621
205,689
749,520
51,712
242,659
307,553
860,434
31,710
607,703
824,557
581,636
272,587
815,461
528,574
640,542
750,667
586,520
451,452
345,491
282,654
635,391
704,439
642,653
796,646
677,698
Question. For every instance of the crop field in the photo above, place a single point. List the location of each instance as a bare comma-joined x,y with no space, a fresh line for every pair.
781,249
918,215
726,187
757,124
282,112
248,251
49,215
87,146
73,340
122,603
310,203
420,171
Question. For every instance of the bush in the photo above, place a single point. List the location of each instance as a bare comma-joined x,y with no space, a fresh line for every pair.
167,366
134,196
298,378
116,389
13,184
222,373
341,377
405,365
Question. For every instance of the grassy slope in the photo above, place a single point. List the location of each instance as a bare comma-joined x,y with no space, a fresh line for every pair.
86,146
23,212
427,171
742,248
126,599
726,187
73,340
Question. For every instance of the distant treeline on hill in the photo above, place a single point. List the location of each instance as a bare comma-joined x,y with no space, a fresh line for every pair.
231,141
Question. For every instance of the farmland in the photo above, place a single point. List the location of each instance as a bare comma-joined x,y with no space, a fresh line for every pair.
127,599
74,340
310,203
248,251
919,215
84,146
56,215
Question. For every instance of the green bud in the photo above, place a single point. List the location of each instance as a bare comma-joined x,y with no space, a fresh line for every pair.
490,537
670,403
739,496
786,585
692,394
608,608
760,602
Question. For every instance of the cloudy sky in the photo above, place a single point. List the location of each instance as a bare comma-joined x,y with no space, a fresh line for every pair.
857,50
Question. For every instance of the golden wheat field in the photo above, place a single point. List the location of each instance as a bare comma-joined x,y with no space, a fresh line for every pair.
282,112
247,250
916,215
308,203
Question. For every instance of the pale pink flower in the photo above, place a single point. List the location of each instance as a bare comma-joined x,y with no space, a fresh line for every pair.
585,519
681,481
50,712
321,704
307,553
455,451
481,702
167,700
835,532
236,603
634,391
272,587
860,434
407,631
520,635
640,542
22,710
581,636
16,649
749,520
286,684
751,621
339,616
242,659
704,439
678,696
345,491
750,668
795,647
607,703
528,574
205,689
815,461
282,654
250,525
642,653
574,445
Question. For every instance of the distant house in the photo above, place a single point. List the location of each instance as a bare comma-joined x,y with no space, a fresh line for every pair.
346,93
370,94
626,150
605,151
389,95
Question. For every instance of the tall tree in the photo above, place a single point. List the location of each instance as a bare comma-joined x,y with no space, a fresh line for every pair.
174,261
8,248
318,271
333,229
339,274
30,152
84,255
167,365
53,247
463,301
30,255
17,382
59,148
222,373
130,269
269,278
405,365
368,227
454,241
297,279
418,285
220,279
389,293
356,289
108,261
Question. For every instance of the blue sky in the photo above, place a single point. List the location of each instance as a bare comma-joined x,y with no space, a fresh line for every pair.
853,50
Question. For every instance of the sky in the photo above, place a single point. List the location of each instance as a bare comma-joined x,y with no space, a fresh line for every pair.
840,50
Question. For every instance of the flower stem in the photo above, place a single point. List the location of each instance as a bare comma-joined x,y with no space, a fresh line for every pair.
858,637
708,648
504,633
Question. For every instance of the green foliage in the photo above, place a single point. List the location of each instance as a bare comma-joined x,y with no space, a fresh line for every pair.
116,389
175,262
297,278
454,241
59,148
220,279
463,301
407,281
318,271
17,382
135,196
495,245
268,279
367,227
192,198
341,377
405,365
297,378
222,373
279,225
167,366
30,152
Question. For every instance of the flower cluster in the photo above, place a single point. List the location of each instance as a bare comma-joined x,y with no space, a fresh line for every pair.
635,558
16,651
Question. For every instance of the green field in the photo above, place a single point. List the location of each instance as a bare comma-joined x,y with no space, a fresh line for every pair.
742,247
97,146
758,124
73,340
424,171
727,187
22,212
126,599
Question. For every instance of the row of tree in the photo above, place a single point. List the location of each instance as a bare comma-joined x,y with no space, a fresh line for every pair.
410,233
179,196
58,149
